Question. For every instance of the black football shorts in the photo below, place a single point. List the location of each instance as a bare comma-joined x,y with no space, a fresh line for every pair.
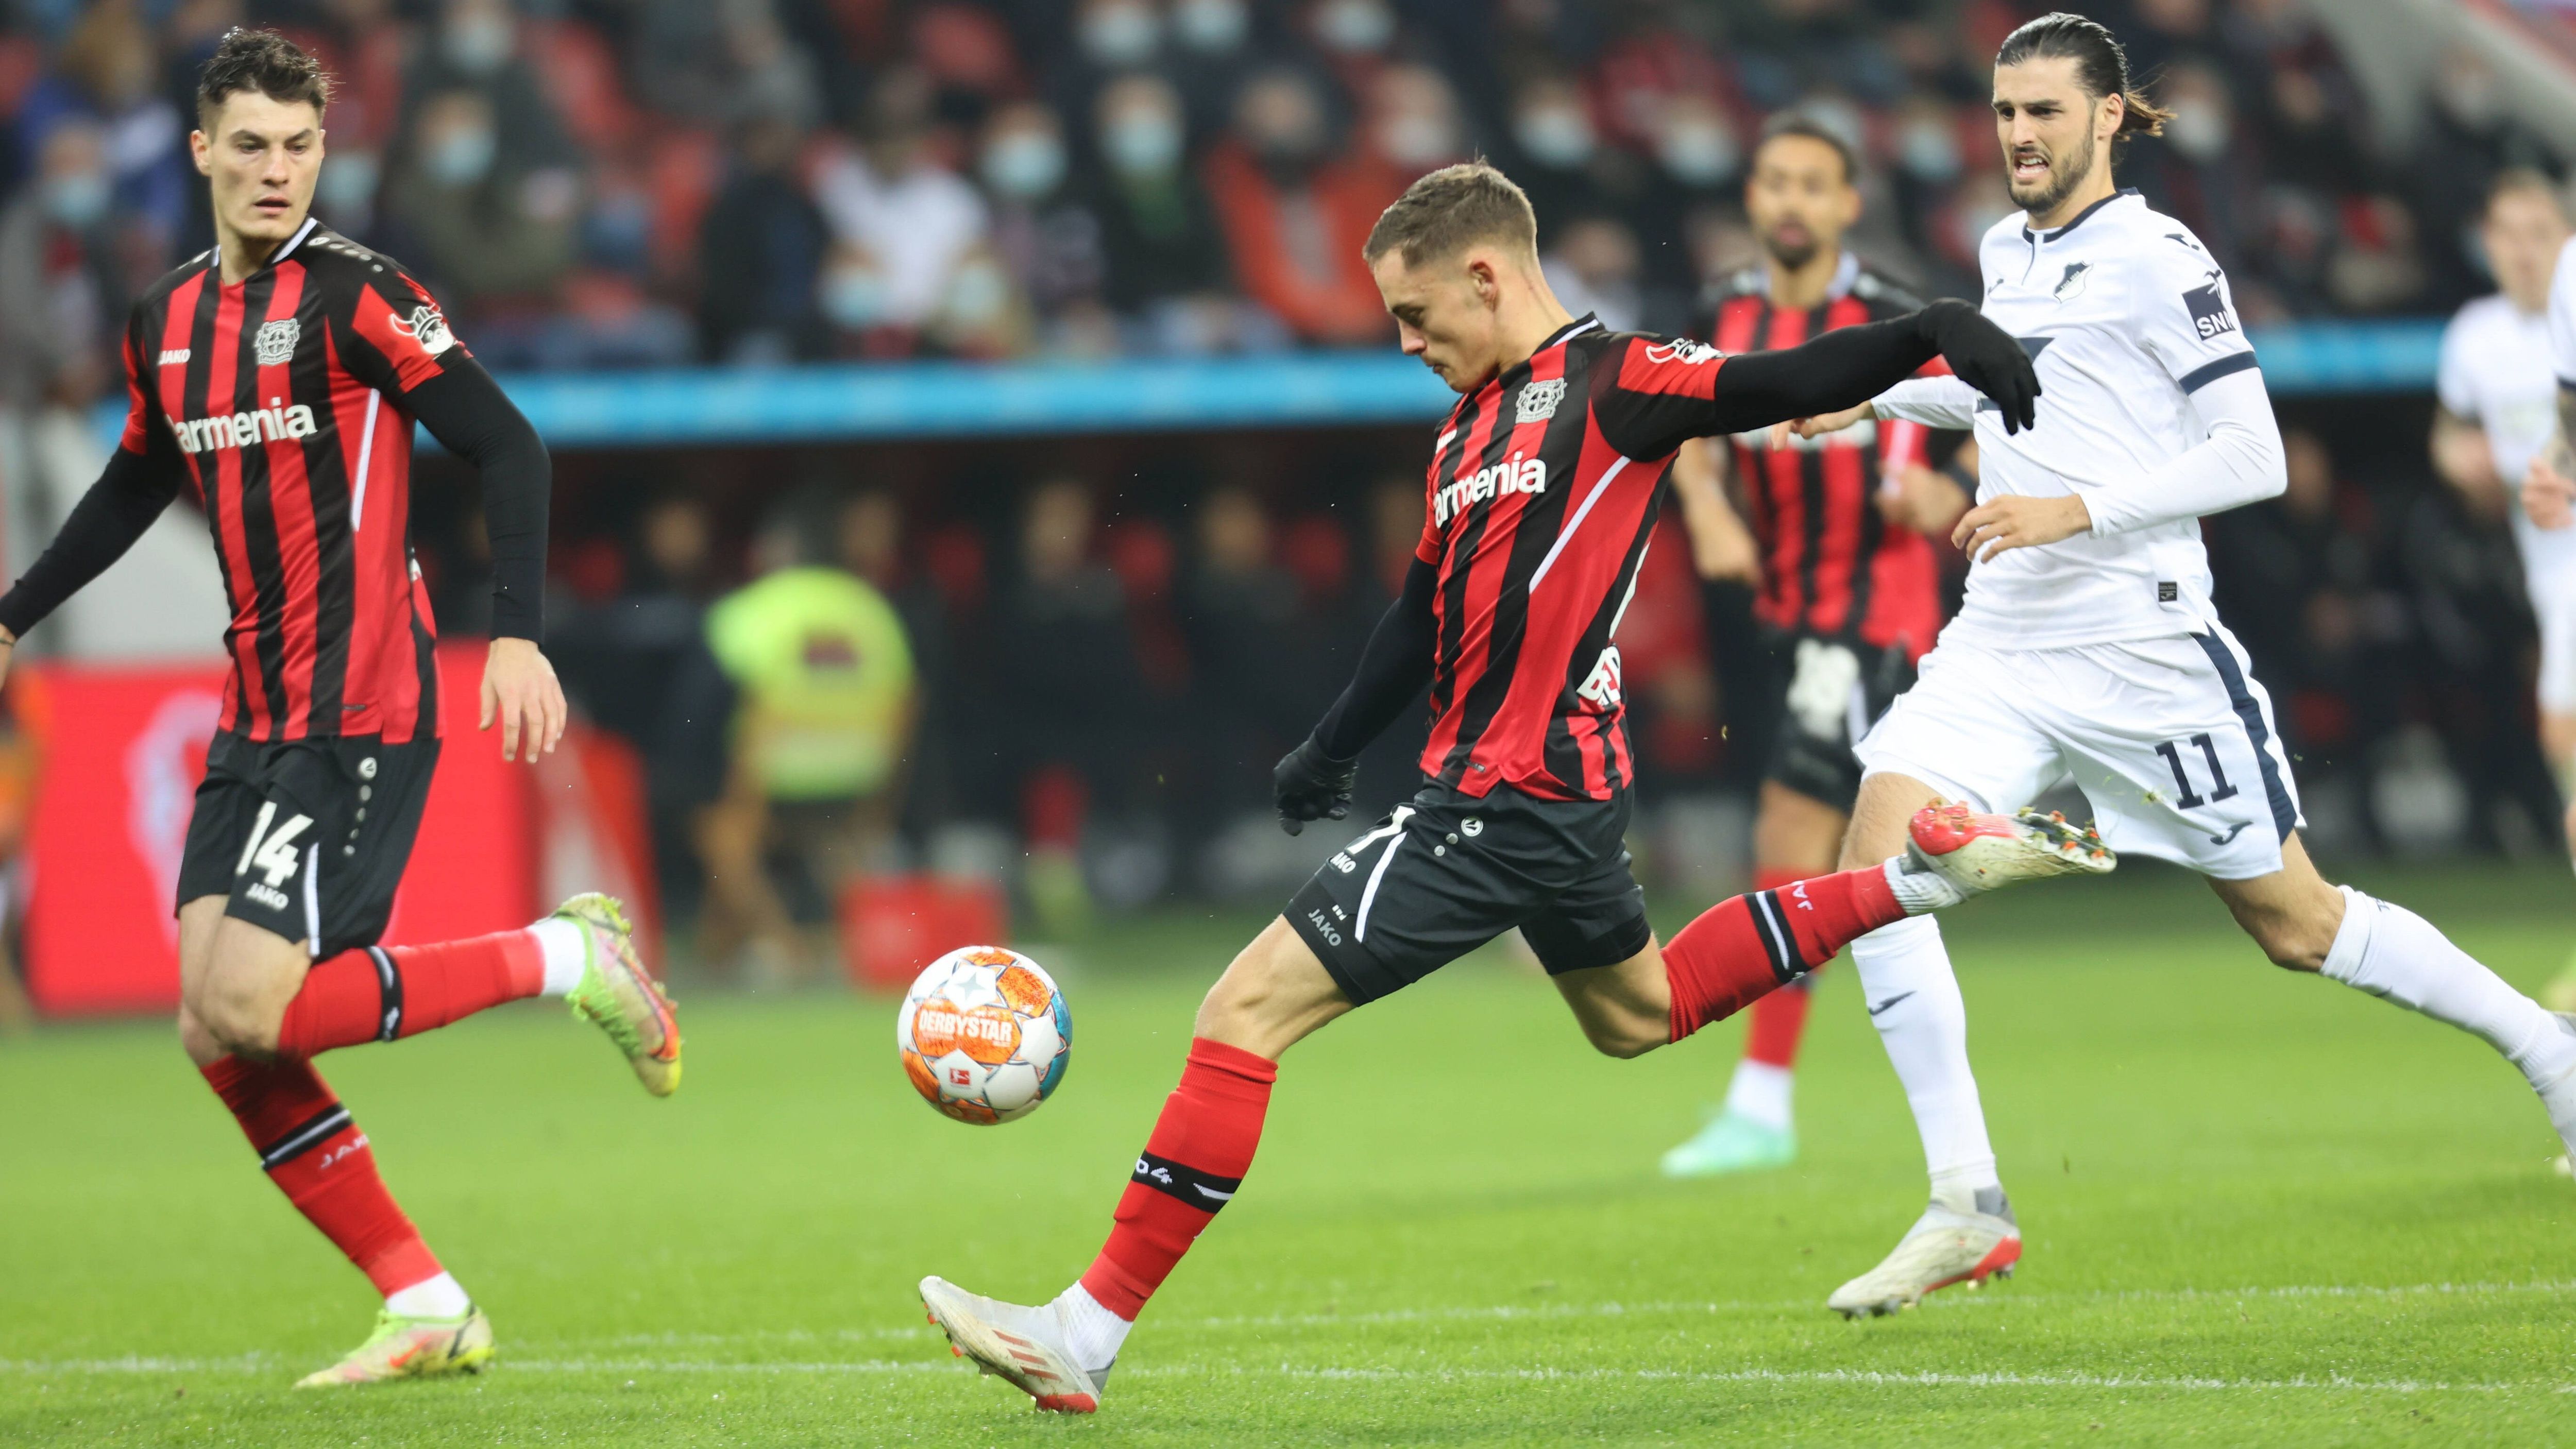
1831,692
308,838
1446,873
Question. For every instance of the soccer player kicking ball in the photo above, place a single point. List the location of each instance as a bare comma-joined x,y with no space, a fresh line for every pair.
1850,593
278,376
1544,484
2087,647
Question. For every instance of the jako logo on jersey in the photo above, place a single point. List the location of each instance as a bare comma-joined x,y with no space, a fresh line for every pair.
1538,401
174,357
275,342
241,430
1682,350
427,327
1513,475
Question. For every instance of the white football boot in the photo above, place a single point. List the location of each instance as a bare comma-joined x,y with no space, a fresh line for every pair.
1029,1347
1944,1246
1976,853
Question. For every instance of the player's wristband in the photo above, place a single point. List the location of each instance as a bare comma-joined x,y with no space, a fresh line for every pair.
1958,473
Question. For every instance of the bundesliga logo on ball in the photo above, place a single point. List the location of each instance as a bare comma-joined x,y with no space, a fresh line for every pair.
985,1034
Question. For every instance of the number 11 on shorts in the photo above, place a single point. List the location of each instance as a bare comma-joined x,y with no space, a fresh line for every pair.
2219,788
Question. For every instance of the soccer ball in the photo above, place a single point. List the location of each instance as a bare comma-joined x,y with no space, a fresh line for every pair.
985,1034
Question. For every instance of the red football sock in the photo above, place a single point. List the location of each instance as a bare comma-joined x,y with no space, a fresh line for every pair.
1777,1021
1742,949
321,1161
375,994
1201,1147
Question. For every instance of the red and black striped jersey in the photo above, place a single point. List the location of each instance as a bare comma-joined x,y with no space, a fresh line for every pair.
1832,567
282,397
1543,489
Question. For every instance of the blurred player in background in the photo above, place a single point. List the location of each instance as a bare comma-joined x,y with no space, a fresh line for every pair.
1849,588
2499,407
278,377
2087,648
1544,487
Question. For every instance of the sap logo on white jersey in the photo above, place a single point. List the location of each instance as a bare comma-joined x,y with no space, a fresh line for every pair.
241,430
1538,401
174,357
1601,689
1513,475
1682,350
2209,314
427,327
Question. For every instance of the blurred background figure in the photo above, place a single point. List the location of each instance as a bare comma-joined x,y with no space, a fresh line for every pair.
826,709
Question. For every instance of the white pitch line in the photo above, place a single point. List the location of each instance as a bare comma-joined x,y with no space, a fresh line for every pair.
1858,1378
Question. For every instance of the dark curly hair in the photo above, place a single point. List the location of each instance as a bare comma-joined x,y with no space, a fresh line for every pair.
262,61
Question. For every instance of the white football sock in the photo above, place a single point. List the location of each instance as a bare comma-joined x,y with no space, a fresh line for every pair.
2397,955
439,1297
567,950
1760,1093
1092,1332
1921,891
1914,1002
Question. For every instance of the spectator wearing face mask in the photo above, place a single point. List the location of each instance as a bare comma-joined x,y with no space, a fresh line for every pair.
1295,209
760,254
1158,234
61,297
1414,123
1042,229
365,47
1556,154
2194,172
106,74
491,236
475,46
1697,162
903,225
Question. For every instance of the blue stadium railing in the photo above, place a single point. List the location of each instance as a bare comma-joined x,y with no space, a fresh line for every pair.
859,402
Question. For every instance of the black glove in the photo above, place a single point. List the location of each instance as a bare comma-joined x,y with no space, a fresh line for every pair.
1985,357
1311,785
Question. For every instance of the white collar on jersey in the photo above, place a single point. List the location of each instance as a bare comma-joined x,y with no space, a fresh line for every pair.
215,254
2080,217
1585,323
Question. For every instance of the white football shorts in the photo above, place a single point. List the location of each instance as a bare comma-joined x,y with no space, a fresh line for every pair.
2553,604
2171,741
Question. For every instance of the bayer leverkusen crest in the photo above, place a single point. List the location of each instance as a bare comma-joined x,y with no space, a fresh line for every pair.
274,343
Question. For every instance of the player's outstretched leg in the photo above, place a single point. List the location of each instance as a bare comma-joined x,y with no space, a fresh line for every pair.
1755,1128
1060,1352
584,952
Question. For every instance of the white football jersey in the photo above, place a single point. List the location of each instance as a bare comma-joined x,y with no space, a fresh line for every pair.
2499,371
2125,315
2562,316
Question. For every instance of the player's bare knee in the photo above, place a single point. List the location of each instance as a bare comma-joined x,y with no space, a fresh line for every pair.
236,1022
1626,1038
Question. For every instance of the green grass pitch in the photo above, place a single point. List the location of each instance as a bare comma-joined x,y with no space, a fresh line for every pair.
2260,1209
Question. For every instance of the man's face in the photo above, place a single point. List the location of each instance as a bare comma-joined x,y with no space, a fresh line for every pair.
2523,232
1798,199
1444,312
2049,129
262,157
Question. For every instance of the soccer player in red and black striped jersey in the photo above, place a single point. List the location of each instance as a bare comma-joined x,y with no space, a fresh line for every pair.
1543,488
1847,586
276,379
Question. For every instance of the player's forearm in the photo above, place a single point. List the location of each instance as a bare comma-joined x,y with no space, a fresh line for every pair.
116,511
1935,402
2240,462
1835,370
1393,669
471,417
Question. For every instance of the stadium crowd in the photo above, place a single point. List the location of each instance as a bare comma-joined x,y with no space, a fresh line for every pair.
596,183
608,183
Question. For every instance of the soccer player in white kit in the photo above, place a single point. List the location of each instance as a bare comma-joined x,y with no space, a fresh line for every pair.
2499,406
2087,648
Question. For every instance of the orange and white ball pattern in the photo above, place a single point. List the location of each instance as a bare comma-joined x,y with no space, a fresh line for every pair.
985,1034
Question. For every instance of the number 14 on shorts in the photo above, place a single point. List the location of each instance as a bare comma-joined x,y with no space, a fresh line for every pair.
274,855
2184,796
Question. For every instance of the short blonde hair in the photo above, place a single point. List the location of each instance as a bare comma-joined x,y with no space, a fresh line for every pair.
1451,209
